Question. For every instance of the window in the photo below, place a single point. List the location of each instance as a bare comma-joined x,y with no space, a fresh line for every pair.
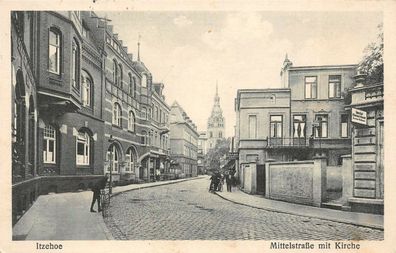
119,76
84,31
112,158
129,159
220,135
210,134
54,51
144,113
49,145
344,126
115,72
131,121
117,113
134,87
144,137
82,154
276,126
144,81
334,86
252,127
299,123
131,84
156,112
75,67
86,89
310,87
321,128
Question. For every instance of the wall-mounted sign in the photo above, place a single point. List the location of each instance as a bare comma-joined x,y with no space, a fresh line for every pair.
359,116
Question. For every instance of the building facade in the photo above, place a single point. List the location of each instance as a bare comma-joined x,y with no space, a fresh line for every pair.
183,141
366,110
216,123
303,119
82,107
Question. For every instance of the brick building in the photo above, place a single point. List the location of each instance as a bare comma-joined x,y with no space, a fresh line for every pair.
82,106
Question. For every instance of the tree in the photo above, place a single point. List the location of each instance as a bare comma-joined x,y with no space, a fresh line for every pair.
372,63
215,154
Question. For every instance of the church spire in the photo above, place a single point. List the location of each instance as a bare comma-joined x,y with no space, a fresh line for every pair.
138,53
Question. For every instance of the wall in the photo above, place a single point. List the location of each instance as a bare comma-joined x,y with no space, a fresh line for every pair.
301,182
334,178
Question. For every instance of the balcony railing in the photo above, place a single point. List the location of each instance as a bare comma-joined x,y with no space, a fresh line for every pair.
288,142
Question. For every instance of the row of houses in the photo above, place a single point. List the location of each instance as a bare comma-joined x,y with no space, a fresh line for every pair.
84,106
324,112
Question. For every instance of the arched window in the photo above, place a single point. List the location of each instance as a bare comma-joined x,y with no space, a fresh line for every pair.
75,67
131,121
49,145
115,72
144,81
54,50
82,148
130,160
117,113
120,76
112,158
86,89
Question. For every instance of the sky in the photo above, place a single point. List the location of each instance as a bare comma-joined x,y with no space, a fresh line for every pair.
190,51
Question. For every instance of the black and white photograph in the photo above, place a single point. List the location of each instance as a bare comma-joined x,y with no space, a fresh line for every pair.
216,124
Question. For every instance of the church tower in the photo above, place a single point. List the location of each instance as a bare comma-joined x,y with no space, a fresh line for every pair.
216,123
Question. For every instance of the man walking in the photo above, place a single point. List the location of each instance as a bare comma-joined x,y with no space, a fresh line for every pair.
101,184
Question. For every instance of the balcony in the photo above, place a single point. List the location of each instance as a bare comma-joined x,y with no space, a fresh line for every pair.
252,143
287,142
164,127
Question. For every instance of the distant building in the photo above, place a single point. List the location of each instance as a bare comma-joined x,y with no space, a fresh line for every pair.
216,123
202,150
183,141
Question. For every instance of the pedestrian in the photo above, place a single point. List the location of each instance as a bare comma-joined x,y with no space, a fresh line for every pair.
101,184
212,183
221,182
229,181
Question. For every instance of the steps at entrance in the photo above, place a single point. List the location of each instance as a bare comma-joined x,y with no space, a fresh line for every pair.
332,205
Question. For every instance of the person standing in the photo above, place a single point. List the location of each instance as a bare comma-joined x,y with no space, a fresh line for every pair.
101,184
229,182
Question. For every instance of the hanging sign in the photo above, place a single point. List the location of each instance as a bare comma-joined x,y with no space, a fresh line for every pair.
359,116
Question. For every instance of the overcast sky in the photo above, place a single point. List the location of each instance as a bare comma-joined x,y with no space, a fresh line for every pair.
189,51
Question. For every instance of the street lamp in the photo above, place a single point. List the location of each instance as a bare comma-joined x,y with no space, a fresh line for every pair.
111,140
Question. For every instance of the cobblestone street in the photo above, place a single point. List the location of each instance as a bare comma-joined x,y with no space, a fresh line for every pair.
186,211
